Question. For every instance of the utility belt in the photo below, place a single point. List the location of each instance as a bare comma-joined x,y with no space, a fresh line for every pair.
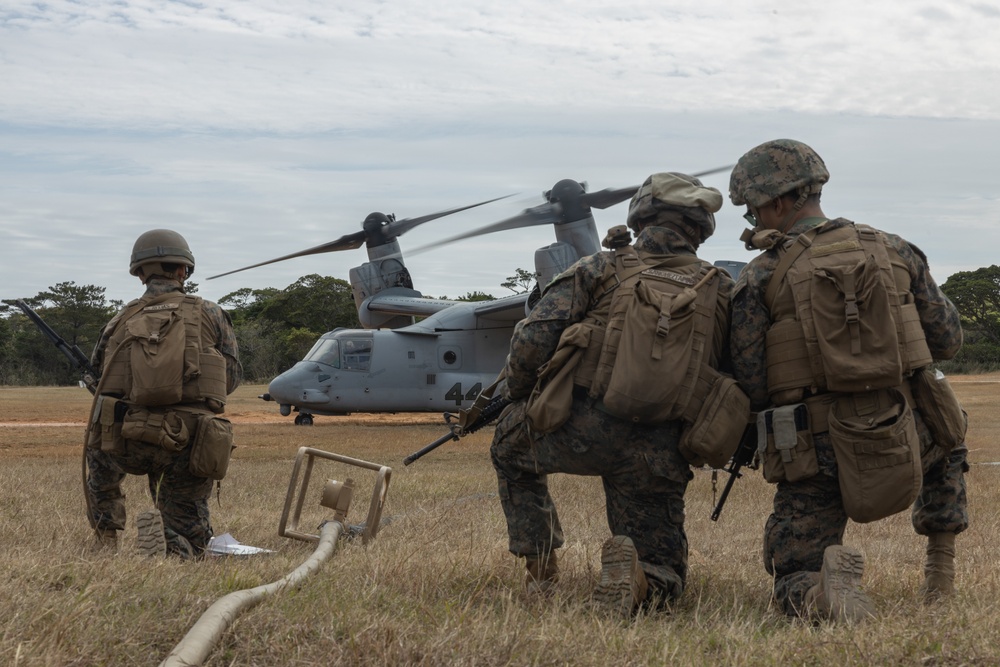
114,423
874,440
819,406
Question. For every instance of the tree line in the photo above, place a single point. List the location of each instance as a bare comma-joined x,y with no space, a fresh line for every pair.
276,327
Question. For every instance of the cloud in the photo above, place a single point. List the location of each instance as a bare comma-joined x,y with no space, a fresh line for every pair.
261,128
312,67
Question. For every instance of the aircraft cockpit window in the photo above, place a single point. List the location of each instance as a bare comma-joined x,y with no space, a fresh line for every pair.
325,351
356,354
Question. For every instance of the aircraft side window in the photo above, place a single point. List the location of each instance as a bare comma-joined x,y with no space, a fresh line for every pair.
356,354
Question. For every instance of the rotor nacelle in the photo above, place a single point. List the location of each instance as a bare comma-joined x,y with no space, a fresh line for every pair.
568,194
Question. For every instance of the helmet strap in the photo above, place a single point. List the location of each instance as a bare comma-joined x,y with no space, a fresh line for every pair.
789,219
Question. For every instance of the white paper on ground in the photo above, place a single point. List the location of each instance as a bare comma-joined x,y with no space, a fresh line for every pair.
227,545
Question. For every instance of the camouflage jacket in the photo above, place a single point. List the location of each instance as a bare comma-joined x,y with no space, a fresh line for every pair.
751,319
226,337
567,299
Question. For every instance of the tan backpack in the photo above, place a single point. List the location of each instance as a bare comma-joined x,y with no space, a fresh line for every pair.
643,351
157,355
853,330
659,333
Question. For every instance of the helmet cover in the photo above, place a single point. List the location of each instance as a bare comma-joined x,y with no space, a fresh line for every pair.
775,168
669,197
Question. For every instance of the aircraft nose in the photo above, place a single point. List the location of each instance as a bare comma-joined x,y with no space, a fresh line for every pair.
283,388
298,386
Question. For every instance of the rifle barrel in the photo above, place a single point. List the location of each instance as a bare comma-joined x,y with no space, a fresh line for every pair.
431,447
742,457
734,472
72,352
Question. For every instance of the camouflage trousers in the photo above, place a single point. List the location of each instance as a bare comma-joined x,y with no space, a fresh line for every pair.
809,516
181,497
644,478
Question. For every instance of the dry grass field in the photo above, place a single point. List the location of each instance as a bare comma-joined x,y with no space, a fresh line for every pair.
437,586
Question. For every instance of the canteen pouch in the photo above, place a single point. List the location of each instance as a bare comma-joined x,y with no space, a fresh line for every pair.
715,433
939,408
785,444
168,430
551,398
878,453
213,444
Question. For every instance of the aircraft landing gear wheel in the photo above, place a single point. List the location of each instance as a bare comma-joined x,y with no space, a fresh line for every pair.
303,420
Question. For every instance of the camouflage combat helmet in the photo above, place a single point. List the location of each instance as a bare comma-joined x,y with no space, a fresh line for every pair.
776,168
679,199
160,246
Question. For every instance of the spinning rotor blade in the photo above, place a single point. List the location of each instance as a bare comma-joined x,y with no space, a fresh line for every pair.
348,242
400,227
550,213
544,214
709,172
385,232
609,197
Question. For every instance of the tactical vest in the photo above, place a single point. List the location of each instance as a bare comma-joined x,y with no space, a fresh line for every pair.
161,352
844,318
651,326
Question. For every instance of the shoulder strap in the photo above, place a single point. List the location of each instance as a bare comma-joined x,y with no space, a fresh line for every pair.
628,263
802,241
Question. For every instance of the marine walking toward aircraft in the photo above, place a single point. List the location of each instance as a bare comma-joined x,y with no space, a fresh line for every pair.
168,360
835,327
617,401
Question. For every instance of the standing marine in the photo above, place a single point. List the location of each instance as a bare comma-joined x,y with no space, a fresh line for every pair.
168,360
556,367
835,326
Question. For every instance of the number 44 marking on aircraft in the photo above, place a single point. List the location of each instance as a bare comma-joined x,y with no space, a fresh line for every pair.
455,393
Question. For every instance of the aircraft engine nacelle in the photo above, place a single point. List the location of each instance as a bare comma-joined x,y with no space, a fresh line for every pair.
552,260
575,240
385,270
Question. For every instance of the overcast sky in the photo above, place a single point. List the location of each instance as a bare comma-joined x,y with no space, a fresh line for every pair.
263,127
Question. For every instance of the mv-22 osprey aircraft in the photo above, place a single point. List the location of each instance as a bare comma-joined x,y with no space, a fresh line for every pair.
442,362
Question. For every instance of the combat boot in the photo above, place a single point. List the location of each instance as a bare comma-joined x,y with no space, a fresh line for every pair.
152,541
939,570
543,573
623,586
838,595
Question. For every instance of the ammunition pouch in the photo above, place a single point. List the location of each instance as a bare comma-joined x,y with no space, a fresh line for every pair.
212,447
878,453
939,407
105,431
168,429
714,420
785,444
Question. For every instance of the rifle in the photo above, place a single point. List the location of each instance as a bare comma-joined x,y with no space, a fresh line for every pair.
743,456
489,412
73,353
